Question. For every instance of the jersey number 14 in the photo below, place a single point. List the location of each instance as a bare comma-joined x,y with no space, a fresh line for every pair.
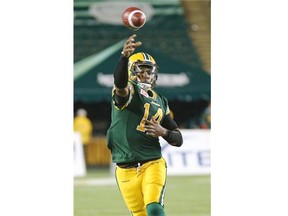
157,117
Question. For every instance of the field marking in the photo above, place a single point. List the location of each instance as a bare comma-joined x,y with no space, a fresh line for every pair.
95,182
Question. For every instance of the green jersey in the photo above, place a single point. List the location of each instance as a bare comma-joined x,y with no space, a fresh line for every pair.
126,136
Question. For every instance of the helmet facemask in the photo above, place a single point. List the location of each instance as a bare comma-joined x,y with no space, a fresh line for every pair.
145,73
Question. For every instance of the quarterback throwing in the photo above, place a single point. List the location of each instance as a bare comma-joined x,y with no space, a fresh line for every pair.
139,117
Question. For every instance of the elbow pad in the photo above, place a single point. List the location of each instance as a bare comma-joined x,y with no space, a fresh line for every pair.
174,138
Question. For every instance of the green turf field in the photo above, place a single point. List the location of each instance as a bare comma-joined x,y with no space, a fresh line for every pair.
97,195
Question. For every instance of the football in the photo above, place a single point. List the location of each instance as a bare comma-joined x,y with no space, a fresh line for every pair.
133,18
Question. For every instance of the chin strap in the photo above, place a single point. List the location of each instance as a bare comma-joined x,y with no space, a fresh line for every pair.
145,86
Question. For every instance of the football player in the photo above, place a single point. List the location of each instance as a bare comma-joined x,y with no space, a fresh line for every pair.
139,116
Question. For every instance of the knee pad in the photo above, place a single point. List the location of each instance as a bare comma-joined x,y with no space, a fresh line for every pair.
155,209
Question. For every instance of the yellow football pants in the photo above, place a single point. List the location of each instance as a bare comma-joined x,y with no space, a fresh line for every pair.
143,185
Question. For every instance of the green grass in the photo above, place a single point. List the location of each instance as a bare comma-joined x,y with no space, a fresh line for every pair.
185,196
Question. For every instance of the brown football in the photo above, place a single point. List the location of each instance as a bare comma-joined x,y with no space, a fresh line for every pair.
133,18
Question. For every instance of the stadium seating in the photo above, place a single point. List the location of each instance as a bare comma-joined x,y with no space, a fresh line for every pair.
169,35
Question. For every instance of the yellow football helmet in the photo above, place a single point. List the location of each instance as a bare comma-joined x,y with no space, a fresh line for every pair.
135,62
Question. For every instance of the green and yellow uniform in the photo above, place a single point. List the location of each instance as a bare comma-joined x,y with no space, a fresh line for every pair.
139,116
129,143
126,136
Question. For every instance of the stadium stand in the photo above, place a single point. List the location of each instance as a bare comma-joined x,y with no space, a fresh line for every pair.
198,15
170,33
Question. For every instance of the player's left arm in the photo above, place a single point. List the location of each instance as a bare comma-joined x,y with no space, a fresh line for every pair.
168,130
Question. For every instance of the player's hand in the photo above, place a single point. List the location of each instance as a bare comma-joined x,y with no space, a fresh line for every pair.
130,46
154,129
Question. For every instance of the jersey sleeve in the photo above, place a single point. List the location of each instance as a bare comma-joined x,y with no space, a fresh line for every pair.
168,122
167,111
128,99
